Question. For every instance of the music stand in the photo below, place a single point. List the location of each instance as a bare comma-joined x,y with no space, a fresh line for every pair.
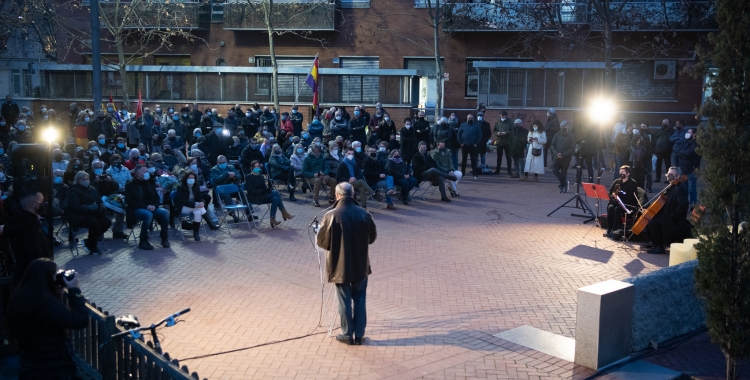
598,192
580,202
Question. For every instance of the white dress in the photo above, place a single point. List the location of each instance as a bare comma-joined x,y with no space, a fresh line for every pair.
535,164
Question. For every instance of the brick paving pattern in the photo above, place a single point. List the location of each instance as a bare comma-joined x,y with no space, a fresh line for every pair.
446,277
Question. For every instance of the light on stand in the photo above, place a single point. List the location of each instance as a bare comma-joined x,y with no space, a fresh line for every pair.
602,110
50,135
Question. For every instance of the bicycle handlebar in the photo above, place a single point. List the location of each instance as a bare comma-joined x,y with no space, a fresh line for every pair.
153,326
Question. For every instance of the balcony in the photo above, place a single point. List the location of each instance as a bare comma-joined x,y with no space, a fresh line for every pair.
157,14
495,15
313,15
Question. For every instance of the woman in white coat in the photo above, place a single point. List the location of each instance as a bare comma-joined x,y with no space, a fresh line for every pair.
535,162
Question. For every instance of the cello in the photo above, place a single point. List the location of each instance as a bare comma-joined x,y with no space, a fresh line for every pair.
656,205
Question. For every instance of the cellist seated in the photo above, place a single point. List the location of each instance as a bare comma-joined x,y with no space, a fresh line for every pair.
624,188
670,223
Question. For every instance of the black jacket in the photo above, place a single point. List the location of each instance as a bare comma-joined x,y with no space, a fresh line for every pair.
396,170
660,141
630,187
10,112
346,233
408,142
342,172
422,130
564,143
249,155
138,195
373,169
486,130
182,197
688,158
82,202
256,187
421,163
27,240
552,126
45,350
100,127
214,146
357,129
442,132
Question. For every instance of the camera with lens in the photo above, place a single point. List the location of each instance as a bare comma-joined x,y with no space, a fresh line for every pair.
61,274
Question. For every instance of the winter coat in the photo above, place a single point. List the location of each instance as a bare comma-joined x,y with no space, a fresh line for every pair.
249,155
500,127
286,127
343,175
133,133
27,240
296,118
10,112
486,130
552,126
689,160
214,146
346,233
622,146
535,164
182,197
139,195
339,128
357,128
231,124
46,351
442,132
373,169
443,162
278,164
220,176
660,140
408,142
82,202
121,176
517,141
315,130
297,162
268,120
563,143
422,129
421,163
312,165
396,170
100,127
332,164
469,134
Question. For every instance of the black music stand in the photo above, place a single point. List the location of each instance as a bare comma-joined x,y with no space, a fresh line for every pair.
580,202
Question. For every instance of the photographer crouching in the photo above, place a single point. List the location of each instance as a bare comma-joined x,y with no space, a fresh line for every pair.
38,321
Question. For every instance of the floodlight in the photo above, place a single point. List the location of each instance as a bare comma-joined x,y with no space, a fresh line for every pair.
225,132
50,135
602,109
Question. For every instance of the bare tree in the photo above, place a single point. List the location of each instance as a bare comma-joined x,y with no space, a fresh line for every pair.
29,20
299,18
135,29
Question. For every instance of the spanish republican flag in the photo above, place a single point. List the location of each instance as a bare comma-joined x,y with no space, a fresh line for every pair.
312,81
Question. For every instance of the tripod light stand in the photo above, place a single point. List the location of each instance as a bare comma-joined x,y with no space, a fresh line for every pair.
580,201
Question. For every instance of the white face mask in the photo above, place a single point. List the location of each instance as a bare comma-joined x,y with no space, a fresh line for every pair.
338,117
688,135
387,118
636,132
408,126
536,128
350,157
334,152
502,118
480,118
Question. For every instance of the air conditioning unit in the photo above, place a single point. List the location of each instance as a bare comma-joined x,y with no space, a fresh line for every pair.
665,70
251,59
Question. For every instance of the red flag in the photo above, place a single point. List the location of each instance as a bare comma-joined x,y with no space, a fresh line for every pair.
111,101
139,107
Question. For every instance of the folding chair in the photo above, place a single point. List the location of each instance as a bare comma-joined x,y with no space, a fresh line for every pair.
424,192
178,218
244,207
256,221
324,190
73,240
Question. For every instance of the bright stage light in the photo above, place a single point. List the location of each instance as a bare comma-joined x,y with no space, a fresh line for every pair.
50,135
602,109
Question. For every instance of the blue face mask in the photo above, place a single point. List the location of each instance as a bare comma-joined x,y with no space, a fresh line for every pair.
357,149
120,146
98,171
222,166
191,181
110,109
208,113
146,176
102,141
198,134
304,136
21,128
256,170
218,131
2,151
58,180
300,151
356,113
175,118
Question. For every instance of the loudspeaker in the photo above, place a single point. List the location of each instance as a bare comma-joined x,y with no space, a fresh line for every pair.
32,167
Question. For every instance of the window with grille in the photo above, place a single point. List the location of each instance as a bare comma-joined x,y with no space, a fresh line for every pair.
360,88
289,85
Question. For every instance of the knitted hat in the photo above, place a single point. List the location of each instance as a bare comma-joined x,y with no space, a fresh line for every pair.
551,110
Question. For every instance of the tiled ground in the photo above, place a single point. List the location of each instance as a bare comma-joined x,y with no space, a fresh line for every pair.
445,278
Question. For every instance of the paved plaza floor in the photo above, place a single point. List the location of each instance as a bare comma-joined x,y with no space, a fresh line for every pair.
446,278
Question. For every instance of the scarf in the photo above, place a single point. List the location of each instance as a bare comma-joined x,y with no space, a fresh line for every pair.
350,165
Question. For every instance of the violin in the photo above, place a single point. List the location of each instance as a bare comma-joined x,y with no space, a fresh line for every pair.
656,205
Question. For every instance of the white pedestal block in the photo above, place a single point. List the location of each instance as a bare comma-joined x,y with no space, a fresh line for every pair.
604,323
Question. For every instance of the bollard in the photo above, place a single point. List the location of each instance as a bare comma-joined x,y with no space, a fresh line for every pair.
604,323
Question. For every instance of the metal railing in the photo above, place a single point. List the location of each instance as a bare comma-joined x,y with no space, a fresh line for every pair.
101,357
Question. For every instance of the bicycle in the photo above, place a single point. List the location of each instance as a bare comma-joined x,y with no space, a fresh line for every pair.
135,333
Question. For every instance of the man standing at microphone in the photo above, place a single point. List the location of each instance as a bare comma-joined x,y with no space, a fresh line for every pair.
346,233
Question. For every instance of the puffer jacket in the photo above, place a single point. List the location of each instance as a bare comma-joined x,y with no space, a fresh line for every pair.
82,202
121,176
315,129
278,164
563,143
470,134
312,165
442,132
339,128
297,163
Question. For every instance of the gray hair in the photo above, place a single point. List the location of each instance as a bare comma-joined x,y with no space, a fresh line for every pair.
677,170
79,176
344,189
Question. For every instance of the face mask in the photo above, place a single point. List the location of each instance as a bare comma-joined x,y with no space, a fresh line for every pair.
387,118
350,157
423,150
191,181
218,131
184,115
146,176
76,167
2,151
338,117
471,121
248,114
158,109
21,128
152,170
273,112
408,126
277,153
294,111
167,150
382,149
175,118
98,171
58,180
378,115
623,176
480,118
194,167
334,152
636,132
356,113
256,170
502,118
110,109
300,151
95,149
85,183
688,135
120,146
536,128
358,149
198,134
86,119
223,166
373,154
442,150
305,136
